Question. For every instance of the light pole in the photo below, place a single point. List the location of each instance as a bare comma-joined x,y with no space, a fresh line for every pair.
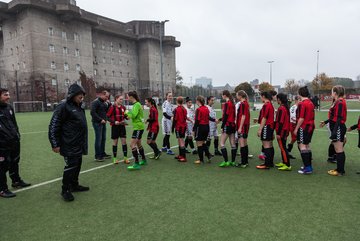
270,62
317,71
162,23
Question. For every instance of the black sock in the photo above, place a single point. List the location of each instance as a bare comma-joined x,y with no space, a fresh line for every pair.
290,147
186,142
237,146
272,154
206,150
191,143
164,142
115,150
135,155
262,149
246,154
201,153
331,151
216,144
310,158
124,148
340,162
224,153
182,151
267,152
208,142
168,141
142,153
154,147
306,157
233,154
242,154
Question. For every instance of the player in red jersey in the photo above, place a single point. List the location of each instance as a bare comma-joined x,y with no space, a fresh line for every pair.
266,130
228,129
179,126
116,116
153,127
243,126
282,127
354,127
305,128
337,120
201,129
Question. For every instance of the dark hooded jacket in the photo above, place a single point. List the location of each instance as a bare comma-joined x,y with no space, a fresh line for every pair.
68,127
9,131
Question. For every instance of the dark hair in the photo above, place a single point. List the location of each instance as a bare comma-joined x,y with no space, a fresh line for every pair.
283,99
242,94
151,101
167,93
117,96
201,99
180,100
296,98
339,90
187,99
304,92
267,95
3,90
208,99
134,95
227,94
273,92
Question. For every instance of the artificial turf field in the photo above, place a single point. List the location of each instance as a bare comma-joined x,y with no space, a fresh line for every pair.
167,200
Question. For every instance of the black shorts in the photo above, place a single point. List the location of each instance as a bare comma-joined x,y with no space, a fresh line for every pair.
267,133
137,134
152,135
202,133
229,130
118,131
304,136
339,134
180,133
242,135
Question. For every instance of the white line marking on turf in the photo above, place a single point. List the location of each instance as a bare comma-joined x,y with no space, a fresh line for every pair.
89,170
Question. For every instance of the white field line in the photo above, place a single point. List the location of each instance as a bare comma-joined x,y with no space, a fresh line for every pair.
89,170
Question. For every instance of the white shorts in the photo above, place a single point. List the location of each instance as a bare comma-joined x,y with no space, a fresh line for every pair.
189,129
213,132
166,126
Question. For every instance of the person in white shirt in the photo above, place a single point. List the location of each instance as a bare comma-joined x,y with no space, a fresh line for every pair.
190,124
167,123
213,133
292,126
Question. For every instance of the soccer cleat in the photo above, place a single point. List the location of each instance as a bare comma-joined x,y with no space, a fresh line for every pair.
263,166
262,156
67,196
143,163
198,162
182,159
194,152
233,164
250,156
244,165
79,188
284,168
291,156
158,156
7,194
164,149
224,164
187,151
177,157
135,166
305,170
335,173
218,153
20,184
126,161
99,159
280,164
115,160
170,152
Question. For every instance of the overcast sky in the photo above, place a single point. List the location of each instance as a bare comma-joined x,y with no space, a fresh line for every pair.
231,41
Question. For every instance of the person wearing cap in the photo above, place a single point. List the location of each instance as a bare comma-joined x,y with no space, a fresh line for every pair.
68,134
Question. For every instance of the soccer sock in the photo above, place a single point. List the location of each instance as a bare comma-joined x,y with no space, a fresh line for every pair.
186,142
305,155
206,150
164,142
246,154
201,153
236,146
182,151
310,158
224,153
290,147
154,148
242,154
142,153
114,150
208,142
168,142
216,143
233,153
135,155
179,150
262,149
124,148
267,152
191,143
340,161
331,151
272,154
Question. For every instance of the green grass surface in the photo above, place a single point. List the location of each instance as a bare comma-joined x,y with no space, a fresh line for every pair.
167,200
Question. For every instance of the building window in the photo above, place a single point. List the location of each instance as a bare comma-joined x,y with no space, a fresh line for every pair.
111,47
78,67
76,37
105,72
10,33
112,61
17,50
63,35
52,48
12,51
23,48
53,82
94,45
104,60
120,74
103,46
128,75
15,33
95,71
53,65
65,50
120,61
113,73
66,67
51,31
21,30
13,67
24,65
120,46
18,66
127,63
67,82
77,52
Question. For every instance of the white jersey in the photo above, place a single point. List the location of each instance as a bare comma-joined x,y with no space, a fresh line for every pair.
190,114
212,125
166,123
167,108
293,114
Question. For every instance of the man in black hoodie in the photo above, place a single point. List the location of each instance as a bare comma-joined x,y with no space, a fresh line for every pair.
9,146
68,135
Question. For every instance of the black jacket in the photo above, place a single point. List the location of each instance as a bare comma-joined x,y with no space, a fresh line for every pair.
98,111
68,127
9,131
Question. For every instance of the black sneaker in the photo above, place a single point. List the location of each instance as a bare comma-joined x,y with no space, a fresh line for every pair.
331,160
100,159
194,152
79,188
20,184
7,194
67,196
218,153
291,156
187,151
106,156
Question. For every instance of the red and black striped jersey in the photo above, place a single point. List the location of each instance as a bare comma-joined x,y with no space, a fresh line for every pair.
201,116
116,113
338,111
153,120
267,111
180,115
306,110
244,110
282,122
228,116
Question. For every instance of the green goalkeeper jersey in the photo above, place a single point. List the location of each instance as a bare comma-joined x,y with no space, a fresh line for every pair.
137,116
